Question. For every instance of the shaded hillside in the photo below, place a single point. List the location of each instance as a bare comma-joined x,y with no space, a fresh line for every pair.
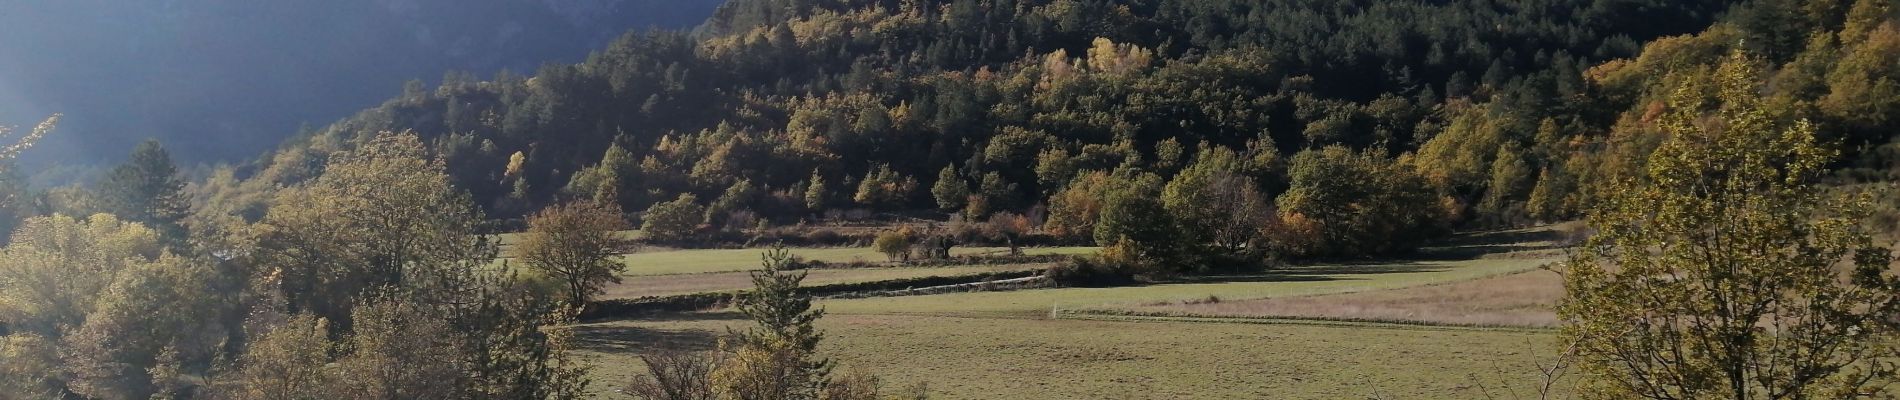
222,80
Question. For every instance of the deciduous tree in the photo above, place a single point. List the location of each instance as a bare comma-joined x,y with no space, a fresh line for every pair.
575,243
1725,272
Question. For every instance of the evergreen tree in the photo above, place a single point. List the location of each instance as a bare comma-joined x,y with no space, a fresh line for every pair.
950,190
147,189
777,357
816,193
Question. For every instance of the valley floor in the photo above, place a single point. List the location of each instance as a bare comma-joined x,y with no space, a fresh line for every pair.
1283,334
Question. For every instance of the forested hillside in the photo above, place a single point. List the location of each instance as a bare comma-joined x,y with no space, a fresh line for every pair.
1355,127
806,107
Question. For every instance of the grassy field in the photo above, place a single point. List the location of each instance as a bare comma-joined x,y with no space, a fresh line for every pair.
666,262
1301,281
1004,345
984,345
1025,358
662,285
1523,299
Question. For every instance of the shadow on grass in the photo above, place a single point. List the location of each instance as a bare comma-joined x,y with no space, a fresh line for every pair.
634,339
663,316
606,336
1475,244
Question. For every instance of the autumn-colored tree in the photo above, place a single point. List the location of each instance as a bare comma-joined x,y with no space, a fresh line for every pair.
575,244
1726,272
1011,227
1074,210
884,187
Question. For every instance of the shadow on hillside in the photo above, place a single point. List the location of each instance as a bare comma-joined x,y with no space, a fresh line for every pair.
623,339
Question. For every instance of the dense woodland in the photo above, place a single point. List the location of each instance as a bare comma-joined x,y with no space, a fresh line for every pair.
1494,113
1180,135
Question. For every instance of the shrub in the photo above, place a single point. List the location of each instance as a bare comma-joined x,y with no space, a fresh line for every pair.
894,244
673,221
823,236
1089,272
675,375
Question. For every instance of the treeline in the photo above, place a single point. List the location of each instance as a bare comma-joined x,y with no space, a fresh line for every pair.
375,279
1444,115
367,281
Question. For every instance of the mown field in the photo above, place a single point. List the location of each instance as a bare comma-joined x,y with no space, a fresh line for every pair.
1084,343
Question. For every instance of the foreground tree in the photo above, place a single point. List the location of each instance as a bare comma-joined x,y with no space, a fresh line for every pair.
13,150
391,256
1727,273
381,217
575,243
93,309
777,359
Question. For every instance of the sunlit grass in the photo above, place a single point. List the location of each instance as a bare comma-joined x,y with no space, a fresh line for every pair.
1028,358
1296,282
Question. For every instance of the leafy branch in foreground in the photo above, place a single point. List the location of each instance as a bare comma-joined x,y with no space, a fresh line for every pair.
1728,273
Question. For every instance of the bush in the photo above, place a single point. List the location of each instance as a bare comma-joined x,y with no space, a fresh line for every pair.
676,375
673,221
1088,271
894,244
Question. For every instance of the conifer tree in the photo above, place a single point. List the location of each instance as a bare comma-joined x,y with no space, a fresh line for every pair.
147,189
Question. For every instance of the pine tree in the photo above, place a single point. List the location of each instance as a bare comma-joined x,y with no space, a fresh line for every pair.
950,190
147,189
777,358
815,193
